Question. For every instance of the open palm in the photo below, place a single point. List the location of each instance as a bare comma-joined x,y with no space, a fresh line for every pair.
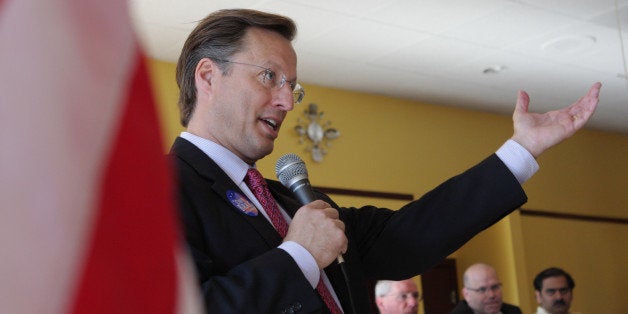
540,131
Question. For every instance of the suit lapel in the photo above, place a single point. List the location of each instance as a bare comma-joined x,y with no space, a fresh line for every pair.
221,184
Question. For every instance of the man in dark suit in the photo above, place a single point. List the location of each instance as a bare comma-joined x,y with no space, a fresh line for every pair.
482,293
262,252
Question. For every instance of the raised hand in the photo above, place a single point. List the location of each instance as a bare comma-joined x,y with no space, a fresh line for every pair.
538,132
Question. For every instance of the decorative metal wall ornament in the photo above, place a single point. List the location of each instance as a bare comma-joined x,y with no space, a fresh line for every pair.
318,136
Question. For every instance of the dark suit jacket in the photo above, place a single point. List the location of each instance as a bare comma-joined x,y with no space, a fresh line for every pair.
463,308
241,270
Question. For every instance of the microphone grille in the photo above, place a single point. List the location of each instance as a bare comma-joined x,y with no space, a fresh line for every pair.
289,169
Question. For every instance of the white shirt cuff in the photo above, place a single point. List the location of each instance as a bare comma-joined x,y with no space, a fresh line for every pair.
304,260
518,160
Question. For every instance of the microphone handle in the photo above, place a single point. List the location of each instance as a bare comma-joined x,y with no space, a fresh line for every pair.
303,191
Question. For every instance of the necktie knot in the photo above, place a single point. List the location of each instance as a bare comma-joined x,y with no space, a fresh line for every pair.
255,181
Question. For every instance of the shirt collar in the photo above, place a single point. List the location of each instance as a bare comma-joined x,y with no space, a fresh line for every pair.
231,164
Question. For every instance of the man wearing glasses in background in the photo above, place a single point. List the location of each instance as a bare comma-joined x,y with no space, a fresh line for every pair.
397,297
482,293
554,291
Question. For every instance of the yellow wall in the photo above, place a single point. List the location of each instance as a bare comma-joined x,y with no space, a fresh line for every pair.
402,146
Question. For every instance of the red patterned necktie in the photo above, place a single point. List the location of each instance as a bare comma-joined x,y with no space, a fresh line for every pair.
258,186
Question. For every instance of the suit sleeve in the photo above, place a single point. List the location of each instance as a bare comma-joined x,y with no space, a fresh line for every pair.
404,243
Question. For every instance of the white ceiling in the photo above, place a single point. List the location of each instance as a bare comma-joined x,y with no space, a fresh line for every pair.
437,51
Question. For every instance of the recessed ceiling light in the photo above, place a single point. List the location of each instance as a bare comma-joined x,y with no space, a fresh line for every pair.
569,44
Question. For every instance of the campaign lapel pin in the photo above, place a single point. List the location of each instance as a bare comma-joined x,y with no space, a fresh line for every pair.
242,203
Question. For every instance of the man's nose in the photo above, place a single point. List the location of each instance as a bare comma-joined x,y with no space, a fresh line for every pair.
491,293
284,98
412,302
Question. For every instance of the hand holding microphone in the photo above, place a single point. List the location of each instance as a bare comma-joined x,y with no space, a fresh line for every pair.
315,225
317,228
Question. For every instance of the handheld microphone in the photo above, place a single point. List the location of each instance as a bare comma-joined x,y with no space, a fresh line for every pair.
291,172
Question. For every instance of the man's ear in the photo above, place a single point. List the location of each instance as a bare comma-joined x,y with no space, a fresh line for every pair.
206,70
378,302
465,293
538,296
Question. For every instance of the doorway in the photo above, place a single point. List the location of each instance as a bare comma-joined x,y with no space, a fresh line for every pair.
440,287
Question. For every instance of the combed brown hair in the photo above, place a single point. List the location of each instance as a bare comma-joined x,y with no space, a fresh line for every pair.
218,37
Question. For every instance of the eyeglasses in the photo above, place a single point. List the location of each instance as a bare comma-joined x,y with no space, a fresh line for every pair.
271,80
402,297
482,290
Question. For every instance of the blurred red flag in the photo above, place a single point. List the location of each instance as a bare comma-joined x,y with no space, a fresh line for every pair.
88,223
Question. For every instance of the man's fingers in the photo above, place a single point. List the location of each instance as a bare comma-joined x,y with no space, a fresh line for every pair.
331,213
594,91
339,224
593,98
318,204
523,101
582,109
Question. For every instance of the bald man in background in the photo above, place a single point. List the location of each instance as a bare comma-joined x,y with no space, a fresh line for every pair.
482,293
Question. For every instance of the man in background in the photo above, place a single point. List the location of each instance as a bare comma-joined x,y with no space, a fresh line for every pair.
397,297
483,293
554,291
